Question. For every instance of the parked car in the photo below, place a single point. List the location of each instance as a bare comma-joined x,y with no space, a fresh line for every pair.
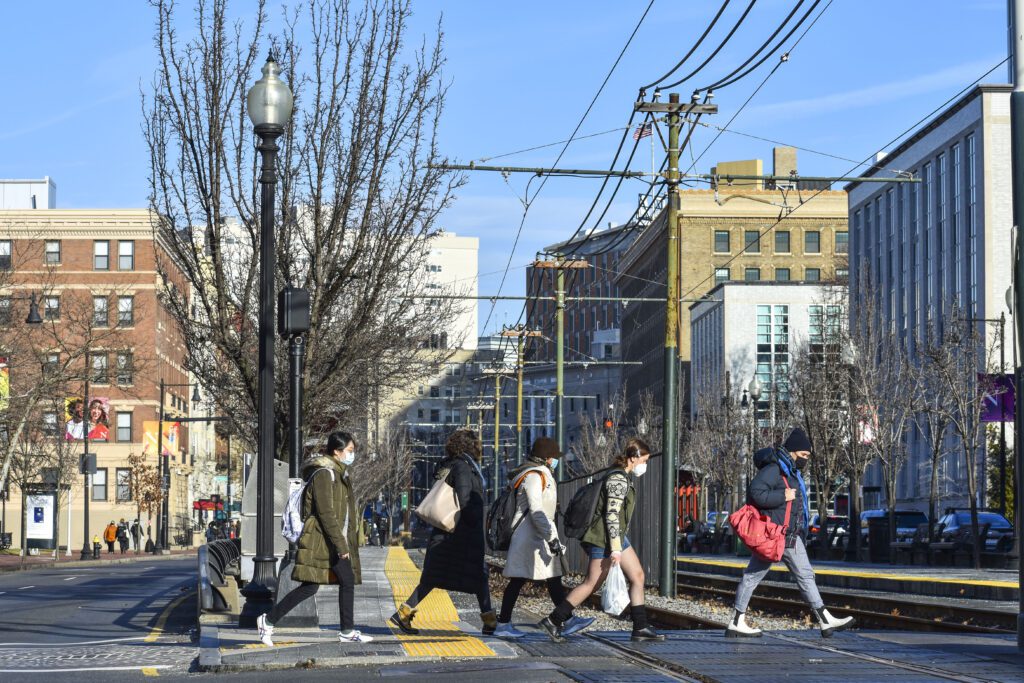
713,519
1000,531
906,522
839,522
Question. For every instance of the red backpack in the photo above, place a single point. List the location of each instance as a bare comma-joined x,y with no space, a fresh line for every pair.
765,538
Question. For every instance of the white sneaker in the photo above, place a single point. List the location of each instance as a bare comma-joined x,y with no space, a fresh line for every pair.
830,624
576,624
508,631
354,636
266,630
738,627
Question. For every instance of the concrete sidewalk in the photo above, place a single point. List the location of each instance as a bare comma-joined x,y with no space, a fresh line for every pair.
226,647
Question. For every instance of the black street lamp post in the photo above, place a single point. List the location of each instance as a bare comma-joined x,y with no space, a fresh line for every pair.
269,104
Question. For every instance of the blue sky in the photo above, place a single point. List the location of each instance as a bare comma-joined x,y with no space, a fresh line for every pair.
521,74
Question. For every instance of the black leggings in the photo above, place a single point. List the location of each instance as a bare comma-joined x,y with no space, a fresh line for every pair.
483,596
508,601
304,591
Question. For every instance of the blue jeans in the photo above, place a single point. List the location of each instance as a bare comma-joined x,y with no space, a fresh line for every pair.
598,553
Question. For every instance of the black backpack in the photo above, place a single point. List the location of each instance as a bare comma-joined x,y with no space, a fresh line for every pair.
582,507
499,518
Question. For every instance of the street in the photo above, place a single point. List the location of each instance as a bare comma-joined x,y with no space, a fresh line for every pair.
98,623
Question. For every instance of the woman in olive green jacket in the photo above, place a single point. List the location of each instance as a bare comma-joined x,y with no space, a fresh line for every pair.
606,545
328,549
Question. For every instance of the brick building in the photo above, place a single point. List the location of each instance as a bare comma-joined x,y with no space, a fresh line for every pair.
95,272
723,237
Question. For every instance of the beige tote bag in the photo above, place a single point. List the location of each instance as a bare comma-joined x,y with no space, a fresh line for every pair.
439,507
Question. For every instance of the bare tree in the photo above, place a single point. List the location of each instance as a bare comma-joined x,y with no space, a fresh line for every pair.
883,384
961,363
931,416
818,388
358,198
598,443
717,444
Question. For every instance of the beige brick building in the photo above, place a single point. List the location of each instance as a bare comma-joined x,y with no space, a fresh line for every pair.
95,272
737,232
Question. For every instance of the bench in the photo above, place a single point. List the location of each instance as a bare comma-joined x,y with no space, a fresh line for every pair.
910,545
962,542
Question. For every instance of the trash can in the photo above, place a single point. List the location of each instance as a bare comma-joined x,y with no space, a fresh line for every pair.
878,539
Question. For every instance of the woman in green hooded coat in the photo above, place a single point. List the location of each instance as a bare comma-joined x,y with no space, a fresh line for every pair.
328,549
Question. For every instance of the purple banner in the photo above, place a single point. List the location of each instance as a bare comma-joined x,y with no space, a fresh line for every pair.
999,404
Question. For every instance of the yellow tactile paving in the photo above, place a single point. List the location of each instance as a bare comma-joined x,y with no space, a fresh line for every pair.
860,574
436,617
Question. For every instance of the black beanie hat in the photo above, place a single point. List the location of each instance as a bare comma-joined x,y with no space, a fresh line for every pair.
544,448
797,441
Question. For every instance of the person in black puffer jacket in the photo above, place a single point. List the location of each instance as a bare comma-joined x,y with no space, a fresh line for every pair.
777,487
454,560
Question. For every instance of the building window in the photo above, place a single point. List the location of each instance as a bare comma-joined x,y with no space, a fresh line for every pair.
772,357
51,307
435,392
782,241
98,367
124,484
125,310
125,371
722,241
51,365
50,427
99,484
752,240
812,274
51,254
721,275
432,268
435,415
100,314
752,274
782,274
812,242
419,413
843,242
124,427
5,310
126,255
5,254
101,255
842,274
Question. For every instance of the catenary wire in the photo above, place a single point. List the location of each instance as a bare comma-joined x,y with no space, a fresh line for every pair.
692,49
716,51
553,144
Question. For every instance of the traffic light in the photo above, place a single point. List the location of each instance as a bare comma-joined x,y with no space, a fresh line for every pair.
608,424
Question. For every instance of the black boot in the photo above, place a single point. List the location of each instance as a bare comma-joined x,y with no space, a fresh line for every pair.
642,631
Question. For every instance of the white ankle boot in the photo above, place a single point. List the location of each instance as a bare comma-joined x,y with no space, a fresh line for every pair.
738,627
830,624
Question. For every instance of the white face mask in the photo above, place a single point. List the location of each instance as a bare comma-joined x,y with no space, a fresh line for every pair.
640,469
348,457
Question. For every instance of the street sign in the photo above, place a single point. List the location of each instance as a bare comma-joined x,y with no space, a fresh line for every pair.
405,500
87,463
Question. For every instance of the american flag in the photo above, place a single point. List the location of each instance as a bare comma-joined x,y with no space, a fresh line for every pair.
642,131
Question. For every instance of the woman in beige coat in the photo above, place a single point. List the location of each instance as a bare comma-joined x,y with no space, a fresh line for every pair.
534,553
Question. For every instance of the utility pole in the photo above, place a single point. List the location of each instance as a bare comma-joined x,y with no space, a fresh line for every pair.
497,374
666,573
521,334
560,265
1016,8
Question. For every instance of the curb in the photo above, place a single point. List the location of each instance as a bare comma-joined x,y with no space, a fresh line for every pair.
91,563
209,648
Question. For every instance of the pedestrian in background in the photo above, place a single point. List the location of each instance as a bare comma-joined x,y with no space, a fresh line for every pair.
606,544
329,543
122,535
777,485
110,536
535,552
454,560
136,533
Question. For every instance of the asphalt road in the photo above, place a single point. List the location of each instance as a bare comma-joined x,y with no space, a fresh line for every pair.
98,623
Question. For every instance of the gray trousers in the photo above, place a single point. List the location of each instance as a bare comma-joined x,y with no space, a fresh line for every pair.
795,559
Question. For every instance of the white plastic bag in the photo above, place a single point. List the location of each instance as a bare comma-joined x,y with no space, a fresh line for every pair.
615,597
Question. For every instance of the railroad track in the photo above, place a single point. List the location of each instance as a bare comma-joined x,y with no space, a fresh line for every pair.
870,610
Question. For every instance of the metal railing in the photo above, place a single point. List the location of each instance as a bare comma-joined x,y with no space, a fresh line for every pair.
217,561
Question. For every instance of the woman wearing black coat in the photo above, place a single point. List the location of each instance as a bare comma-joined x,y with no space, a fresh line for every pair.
455,560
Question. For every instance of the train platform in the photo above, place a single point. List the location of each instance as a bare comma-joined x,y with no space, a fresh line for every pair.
933,581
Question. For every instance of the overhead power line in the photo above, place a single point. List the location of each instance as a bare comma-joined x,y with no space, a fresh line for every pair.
718,49
692,49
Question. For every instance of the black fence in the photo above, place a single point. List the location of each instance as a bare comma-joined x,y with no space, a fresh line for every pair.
644,530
